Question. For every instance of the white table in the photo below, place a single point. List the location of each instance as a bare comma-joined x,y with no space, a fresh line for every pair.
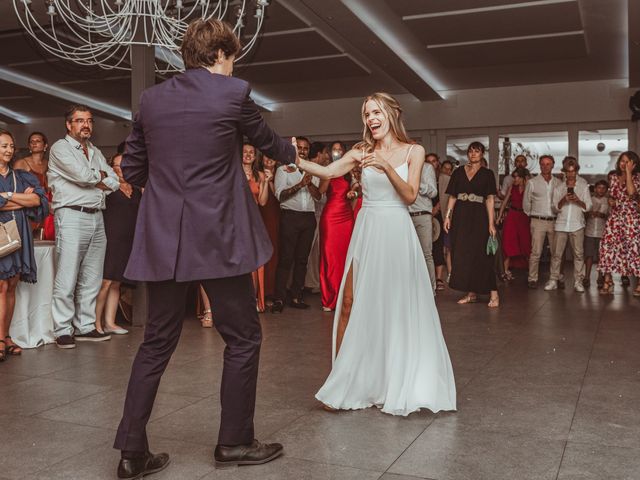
32,324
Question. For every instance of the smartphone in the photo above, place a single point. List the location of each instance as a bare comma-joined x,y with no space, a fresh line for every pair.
570,190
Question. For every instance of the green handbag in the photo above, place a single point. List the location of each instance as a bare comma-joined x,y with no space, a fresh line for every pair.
492,246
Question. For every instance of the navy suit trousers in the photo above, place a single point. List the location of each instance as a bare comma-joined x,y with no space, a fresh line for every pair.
236,319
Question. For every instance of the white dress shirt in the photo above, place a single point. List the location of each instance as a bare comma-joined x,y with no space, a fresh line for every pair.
595,225
301,201
538,195
73,178
571,216
428,190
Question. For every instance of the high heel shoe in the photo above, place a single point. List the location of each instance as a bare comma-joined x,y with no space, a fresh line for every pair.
207,319
607,287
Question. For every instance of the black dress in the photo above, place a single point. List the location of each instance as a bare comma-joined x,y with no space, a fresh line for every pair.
119,224
472,270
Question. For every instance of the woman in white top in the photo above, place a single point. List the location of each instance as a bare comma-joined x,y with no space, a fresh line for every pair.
388,348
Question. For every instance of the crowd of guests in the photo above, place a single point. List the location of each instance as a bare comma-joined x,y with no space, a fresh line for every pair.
70,193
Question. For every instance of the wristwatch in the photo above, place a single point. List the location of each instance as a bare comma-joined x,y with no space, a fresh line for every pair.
9,195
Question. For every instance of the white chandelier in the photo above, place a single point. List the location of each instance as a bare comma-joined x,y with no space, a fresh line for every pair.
101,32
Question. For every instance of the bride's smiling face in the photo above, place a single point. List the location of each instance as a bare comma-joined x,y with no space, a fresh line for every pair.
376,120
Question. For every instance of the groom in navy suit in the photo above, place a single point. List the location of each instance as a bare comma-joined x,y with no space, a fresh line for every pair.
198,222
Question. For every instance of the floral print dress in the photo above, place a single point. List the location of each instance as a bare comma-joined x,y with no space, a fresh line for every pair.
620,245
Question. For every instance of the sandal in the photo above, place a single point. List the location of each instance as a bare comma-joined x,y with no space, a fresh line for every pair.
12,349
607,287
439,285
467,299
494,302
3,352
207,319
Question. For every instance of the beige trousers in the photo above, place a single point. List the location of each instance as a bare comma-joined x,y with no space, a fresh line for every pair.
540,229
576,240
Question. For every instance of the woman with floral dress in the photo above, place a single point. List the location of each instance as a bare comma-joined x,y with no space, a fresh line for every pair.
620,245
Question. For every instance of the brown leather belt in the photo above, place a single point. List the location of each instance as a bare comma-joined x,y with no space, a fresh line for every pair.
417,214
82,209
548,219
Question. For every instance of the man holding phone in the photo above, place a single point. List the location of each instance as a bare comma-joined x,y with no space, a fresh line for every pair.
571,200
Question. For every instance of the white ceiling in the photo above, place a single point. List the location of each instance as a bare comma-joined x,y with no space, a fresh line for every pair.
322,49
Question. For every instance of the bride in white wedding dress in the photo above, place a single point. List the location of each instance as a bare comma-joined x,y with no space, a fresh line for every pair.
388,348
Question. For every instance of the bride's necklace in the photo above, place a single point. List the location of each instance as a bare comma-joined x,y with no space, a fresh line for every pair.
389,154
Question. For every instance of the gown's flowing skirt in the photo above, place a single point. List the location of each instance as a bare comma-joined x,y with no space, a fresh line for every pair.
393,353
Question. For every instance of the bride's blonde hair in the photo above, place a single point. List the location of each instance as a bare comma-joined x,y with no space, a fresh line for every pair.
391,108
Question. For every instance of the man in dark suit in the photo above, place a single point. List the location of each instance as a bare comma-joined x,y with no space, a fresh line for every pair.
198,222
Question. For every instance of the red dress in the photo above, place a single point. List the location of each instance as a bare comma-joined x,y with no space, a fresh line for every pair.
516,234
271,218
48,230
336,225
258,275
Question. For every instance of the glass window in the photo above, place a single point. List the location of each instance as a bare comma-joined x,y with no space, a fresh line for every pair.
532,145
599,149
457,148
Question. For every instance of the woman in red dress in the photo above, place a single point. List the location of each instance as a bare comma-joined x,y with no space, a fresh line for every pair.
336,225
259,185
37,164
516,233
271,218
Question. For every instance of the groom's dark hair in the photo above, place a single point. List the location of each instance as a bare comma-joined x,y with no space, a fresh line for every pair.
203,39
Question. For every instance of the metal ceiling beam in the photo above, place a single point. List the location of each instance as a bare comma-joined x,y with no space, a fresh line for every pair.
634,43
389,28
18,117
55,90
491,8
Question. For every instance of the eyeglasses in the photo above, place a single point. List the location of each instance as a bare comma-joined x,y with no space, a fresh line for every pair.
82,121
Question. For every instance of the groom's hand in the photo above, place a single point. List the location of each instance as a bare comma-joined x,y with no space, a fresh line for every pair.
294,142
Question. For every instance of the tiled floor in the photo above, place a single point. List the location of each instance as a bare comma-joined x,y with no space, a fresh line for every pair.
548,388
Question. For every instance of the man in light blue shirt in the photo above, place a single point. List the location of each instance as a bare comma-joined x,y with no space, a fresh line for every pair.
80,179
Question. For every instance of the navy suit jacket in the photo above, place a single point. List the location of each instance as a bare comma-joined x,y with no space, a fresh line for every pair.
198,218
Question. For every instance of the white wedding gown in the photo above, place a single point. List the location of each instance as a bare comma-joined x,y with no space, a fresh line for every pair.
393,354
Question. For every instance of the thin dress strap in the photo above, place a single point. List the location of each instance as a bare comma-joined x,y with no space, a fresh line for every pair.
406,160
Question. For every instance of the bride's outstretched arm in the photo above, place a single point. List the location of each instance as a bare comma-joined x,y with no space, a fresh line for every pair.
333,170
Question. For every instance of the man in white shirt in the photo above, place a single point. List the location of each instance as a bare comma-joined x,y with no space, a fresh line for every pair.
297,193
420,212
318,153
80,179
571,200
537,205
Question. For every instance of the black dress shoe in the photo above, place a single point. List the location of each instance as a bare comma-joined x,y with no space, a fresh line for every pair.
299,304
136,468
532,285
277,307
255,453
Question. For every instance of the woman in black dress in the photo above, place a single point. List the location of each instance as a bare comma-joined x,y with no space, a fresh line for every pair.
21,199
119,225
470,221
